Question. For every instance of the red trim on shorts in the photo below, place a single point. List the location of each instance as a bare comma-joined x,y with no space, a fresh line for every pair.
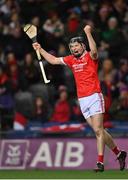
100,96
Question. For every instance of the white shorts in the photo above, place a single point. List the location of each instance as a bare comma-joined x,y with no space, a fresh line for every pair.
91,105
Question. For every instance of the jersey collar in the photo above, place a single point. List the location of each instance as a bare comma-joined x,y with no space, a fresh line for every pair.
85,52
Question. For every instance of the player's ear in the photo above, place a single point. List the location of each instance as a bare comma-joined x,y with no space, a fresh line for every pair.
84,46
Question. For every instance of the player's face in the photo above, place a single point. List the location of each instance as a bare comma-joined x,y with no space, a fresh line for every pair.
77,49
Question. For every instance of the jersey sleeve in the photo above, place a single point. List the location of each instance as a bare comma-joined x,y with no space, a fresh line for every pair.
67,60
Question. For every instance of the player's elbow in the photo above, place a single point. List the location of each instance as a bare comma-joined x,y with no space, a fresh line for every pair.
56,61
53,61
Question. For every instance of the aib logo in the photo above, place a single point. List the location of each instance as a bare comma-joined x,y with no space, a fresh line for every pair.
13,154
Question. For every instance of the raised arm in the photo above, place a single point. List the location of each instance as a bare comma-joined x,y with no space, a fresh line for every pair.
47,56
92,44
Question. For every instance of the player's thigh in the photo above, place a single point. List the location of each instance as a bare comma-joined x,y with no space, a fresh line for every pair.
97,121
89,121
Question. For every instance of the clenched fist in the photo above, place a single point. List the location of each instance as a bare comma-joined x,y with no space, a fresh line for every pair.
36,46
87,29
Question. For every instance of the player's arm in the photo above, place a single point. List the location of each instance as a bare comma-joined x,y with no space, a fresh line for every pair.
92,44
47,56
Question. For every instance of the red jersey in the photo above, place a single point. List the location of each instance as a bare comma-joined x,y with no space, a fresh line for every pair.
84,69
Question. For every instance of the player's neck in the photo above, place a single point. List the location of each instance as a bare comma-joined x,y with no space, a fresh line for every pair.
85,52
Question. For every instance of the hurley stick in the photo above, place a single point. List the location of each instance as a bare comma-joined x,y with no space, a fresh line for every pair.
31,31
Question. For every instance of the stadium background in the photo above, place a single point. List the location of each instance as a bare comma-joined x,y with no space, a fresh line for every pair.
29,108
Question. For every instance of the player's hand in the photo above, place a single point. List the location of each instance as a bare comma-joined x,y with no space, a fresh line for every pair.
36,46
87,29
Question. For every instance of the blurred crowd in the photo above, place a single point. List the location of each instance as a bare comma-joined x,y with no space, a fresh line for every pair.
23,96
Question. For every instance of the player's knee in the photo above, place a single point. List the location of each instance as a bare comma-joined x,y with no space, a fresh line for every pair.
98,132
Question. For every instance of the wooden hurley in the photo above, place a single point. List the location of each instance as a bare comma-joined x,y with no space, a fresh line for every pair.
31,31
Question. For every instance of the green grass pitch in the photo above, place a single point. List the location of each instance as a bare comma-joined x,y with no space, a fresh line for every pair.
63,174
